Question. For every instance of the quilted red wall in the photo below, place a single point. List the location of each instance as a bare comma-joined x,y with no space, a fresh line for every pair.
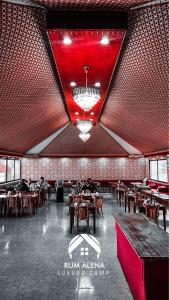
81,168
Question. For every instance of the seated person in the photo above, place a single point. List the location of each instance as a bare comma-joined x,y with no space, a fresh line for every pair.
78,187
22,186
42,184
89,186
145,181
120,184
31,184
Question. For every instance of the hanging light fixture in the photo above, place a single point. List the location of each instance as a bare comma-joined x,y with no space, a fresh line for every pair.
84,125
84,136
86,97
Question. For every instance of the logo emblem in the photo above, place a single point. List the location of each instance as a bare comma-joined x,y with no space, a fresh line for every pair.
89,239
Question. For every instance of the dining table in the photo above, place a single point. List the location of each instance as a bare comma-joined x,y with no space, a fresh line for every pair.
129,197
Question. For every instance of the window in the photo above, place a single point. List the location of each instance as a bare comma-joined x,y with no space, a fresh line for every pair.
162,170
153,169
158,170
17,169
2,170
10,169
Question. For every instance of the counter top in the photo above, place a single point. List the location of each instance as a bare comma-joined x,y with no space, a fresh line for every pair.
146,237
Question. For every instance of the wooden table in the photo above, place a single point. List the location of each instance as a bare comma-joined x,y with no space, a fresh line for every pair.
135,183
142,249
142,187
130,197
121,192
92,209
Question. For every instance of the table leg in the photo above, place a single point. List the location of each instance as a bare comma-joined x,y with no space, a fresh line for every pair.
128,200
134,208
125,203
71,218
164,219
94,220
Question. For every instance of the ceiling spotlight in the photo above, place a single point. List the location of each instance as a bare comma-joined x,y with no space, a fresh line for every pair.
92,113
76,113
73,83
104,40
97,84
91,119
77,119
67,40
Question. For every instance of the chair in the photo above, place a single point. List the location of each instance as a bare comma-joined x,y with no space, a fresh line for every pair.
99,204
152,212
82,215
26,204
12,205
42,197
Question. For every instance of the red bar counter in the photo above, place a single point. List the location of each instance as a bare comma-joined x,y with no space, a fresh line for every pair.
142,249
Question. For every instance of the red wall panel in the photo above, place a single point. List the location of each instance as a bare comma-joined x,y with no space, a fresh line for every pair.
82,168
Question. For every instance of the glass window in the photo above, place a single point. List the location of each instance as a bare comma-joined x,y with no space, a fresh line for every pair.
153,169
17,169
10,169
162,170
2,170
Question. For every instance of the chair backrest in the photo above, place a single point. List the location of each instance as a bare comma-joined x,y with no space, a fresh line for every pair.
25,201
76,199
99,203
83,213
152,211
12,202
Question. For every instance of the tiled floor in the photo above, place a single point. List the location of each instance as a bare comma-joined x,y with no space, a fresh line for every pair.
35,264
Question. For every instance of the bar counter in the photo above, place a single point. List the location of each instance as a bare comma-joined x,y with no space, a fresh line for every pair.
143,252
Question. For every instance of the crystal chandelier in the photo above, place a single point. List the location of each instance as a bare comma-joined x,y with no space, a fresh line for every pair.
84,125
86,97
84,136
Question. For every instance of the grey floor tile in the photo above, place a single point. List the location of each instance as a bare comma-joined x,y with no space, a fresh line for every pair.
34,251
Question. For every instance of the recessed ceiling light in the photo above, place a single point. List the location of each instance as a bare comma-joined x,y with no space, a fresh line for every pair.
76,113
91,119
97,84
104,40
67,40
77,119
92,113
73,83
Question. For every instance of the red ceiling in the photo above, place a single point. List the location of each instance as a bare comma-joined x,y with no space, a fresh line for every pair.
85,49
137,108
31,107
68,143
91,4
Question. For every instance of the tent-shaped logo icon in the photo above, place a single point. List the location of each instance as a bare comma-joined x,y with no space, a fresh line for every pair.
89,239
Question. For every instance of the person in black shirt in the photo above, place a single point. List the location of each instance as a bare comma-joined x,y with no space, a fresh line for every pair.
89,185
22,186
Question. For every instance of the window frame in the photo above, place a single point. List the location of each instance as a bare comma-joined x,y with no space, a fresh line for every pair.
7,159
157,160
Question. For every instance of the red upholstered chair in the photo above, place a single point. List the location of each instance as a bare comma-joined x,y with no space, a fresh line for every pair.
152,212
26,204
99,204
82,215
12,205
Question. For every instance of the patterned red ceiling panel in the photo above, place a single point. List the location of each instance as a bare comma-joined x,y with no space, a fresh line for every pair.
85,49
91,4
31,107
69,143
137,108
